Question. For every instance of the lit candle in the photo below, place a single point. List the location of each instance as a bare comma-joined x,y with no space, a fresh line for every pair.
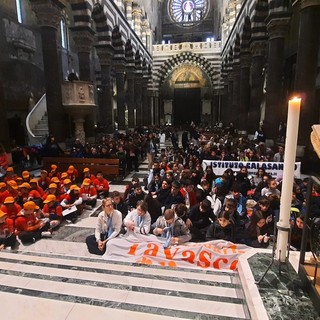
288,176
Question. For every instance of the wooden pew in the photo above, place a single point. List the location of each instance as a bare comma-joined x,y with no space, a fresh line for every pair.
108,167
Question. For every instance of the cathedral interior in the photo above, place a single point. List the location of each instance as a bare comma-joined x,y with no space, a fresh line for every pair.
143,63
77,68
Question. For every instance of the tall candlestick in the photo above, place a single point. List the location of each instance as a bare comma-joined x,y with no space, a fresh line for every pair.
288,175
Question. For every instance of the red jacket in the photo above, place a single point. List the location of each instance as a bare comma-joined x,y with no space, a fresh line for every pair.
6,228
13,211
56,209
101,185
27,223
88,192
3,195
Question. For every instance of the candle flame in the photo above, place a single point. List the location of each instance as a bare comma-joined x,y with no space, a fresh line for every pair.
296,99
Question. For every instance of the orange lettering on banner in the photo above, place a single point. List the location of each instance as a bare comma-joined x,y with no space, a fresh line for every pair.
226,251
133,249
168,254
171,264
203,261
208,246
233,248
216,263
153,250
144,260
217,250
234,265
189,256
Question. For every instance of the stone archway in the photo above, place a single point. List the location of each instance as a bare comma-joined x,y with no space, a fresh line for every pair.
188,93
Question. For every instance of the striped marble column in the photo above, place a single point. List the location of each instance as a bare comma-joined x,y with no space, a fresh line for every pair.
144,34
137,14
258,52
138,88
277,27
48,16
104,50
306,67
236,77
146,119
120,5
83,39
130,69
119,65
224,102
245,60
230,111
128,10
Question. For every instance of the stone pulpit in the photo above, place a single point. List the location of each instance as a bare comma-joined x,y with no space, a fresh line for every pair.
78,100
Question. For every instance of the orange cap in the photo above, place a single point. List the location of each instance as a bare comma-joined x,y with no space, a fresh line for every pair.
50,198
8,200
29,205
74,187
86,182
25,185
25,174
12,184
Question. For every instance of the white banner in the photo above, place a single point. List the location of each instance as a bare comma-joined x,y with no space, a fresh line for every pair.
148,249
275,169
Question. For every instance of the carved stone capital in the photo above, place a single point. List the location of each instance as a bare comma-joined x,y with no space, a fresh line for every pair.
137,13
105,56
258,47
278,27
83,40
48,12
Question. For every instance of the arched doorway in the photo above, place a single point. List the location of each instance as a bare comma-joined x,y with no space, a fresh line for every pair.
186,86
186,106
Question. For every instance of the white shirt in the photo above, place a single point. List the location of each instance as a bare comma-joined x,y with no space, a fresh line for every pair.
142,226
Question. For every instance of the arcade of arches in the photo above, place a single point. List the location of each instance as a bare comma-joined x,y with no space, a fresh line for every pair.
151,62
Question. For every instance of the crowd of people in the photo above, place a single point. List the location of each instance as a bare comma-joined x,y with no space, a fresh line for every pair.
179,200
31,208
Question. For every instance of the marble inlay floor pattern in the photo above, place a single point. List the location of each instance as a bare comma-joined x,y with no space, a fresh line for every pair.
282,299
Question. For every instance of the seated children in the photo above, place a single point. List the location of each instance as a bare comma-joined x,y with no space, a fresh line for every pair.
138,220
223,228
171,228
29,228
7,236
108,227
257,231
52,210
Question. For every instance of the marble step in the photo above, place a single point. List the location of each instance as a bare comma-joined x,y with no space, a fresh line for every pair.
97,284
41,126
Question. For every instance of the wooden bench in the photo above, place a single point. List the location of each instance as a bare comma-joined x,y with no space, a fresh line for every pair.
108,167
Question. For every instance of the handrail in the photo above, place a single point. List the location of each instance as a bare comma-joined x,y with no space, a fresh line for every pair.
30,120
32,113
